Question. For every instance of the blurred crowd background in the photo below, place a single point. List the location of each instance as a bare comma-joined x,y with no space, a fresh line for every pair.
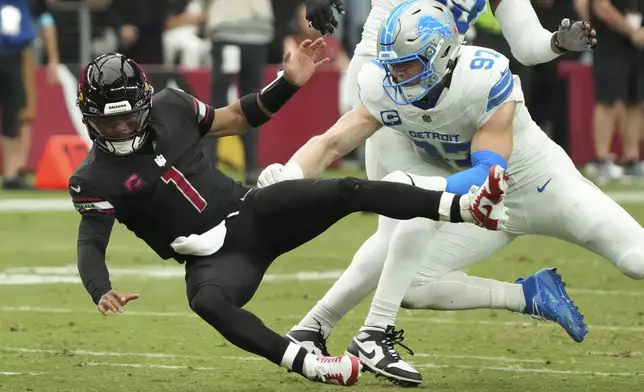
235,40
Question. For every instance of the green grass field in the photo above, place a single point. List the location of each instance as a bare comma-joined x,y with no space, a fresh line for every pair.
52,338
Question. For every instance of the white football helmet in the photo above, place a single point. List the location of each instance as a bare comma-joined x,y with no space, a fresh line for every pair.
421,30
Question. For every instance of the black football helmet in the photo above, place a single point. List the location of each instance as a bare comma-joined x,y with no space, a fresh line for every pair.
115,98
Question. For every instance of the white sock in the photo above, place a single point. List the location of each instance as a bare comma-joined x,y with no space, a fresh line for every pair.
355,284
403,261
459,291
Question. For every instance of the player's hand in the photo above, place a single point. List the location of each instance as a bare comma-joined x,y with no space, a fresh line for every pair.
114,301
486,201
575,36
277,173
300,64
638,38
320,15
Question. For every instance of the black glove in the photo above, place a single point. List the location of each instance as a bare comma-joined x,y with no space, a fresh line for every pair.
320,15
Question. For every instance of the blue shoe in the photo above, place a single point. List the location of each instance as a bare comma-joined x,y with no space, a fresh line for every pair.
546,299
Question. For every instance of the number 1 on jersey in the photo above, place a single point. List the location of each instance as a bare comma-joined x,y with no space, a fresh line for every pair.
482,62
185,187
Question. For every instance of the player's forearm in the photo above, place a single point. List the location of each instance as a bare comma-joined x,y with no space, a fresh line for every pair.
252,110
93,236
530,43
344,136
49,36
51,44
315,156
612,17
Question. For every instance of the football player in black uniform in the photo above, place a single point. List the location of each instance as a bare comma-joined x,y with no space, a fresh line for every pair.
147,170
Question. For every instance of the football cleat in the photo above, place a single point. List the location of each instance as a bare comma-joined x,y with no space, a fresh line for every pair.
312,340
343,370
375,348
546,299
487,200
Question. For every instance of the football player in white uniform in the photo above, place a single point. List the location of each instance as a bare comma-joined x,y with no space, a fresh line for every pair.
478,111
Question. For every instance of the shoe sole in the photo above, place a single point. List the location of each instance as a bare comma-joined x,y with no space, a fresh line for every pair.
554,280
402,381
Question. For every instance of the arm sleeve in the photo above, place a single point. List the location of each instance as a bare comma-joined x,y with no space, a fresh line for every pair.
461,182
97,219
93,236
529,41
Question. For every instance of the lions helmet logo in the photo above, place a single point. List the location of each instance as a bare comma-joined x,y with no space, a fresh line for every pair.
427,26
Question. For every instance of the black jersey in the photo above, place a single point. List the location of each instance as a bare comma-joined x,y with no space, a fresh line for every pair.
168,188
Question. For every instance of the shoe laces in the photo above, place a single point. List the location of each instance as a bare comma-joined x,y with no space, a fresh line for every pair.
392,338
328,368
321,340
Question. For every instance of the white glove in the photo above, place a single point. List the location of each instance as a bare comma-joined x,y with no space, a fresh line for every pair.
277,172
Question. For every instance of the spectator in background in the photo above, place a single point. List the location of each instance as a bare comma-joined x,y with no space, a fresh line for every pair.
17,31
282,15
139,26
241,31
181,37
619,84
549,92
41,13
339,59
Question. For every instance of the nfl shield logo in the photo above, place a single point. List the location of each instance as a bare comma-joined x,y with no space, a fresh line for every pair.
427,118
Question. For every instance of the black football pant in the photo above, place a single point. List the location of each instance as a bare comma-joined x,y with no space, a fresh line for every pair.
273,221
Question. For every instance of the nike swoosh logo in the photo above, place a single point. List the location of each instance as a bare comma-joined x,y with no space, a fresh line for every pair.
369,355
75,189
543,187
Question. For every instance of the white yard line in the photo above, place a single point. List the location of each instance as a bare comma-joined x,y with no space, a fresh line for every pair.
19,373
65,204
86,353
511,369
148,366
69,274
518,369
32,205
434,320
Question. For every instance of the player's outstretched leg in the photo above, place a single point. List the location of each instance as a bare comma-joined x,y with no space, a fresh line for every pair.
304,209
218,287
546,298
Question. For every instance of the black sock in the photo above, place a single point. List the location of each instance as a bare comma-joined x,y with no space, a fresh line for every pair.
402,201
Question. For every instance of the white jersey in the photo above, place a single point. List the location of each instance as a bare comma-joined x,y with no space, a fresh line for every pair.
465,12
481,84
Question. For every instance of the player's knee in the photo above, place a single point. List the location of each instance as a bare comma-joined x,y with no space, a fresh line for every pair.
350,185
632,264
210,302
398,176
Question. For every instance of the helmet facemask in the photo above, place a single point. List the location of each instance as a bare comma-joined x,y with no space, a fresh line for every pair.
115,99
422,32
121,133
